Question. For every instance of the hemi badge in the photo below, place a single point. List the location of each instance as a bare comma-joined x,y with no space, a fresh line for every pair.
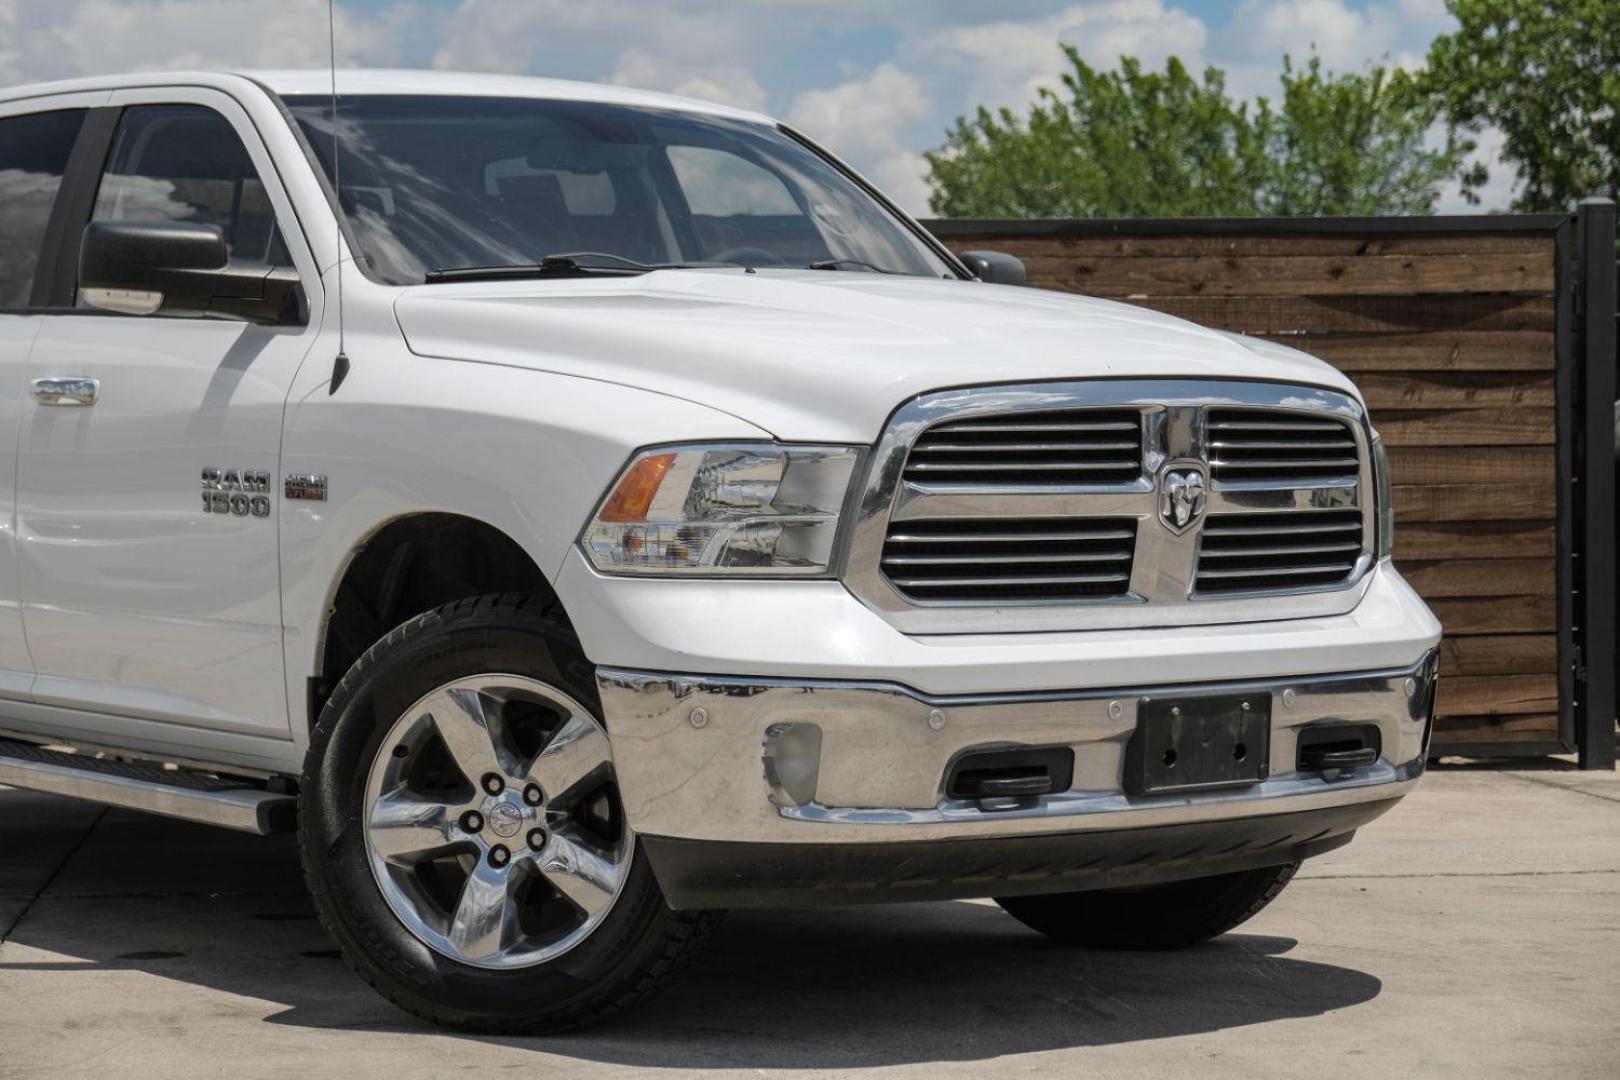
306,486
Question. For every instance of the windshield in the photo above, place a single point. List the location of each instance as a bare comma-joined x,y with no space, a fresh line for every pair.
445,183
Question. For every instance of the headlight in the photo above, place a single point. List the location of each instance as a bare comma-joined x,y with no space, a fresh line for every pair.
747,508
1383,498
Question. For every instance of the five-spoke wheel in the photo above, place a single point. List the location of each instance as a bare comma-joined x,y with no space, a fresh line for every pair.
492,821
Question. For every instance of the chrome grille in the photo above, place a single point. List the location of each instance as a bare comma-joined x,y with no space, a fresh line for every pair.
1294,550
1159,502
1060,448
1272,446
971,559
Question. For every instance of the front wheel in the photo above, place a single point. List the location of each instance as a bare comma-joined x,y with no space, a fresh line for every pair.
1169,916
462,834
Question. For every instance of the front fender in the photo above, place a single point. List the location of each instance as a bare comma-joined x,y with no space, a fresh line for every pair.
526,452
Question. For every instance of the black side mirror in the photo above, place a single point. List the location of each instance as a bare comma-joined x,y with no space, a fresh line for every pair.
146,267
996,268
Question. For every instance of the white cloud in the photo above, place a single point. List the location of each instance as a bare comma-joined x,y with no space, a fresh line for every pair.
498,35
1347,39
729,84
102,36
869,121
902,177
862,115
1006,62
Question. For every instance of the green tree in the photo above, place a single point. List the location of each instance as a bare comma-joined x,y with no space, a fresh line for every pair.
1547,74
1137,143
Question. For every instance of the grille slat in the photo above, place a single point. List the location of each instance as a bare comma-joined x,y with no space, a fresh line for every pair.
962,427
1261,445
1283,464
1229,420
974,559
1012,582
1015,448
1019,466
1274,571
982,537
1061,448
1289,550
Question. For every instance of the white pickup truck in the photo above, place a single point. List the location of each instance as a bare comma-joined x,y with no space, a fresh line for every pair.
578,511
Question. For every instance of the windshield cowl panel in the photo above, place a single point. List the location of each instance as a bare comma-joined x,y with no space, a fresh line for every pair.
436,188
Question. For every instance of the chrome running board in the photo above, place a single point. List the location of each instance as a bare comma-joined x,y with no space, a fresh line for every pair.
145,786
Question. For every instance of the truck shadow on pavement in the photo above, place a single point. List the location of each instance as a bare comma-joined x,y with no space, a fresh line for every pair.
220,913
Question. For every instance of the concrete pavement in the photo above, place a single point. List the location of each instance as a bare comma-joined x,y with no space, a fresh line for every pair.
1473,930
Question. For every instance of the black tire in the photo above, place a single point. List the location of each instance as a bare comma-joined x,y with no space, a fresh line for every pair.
636,948
1170,916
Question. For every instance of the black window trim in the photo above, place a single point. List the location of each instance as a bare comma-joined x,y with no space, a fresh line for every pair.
56,278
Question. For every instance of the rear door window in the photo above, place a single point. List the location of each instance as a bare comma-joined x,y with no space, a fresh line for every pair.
34,153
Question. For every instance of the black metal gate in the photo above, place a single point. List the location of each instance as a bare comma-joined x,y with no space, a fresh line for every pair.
1588,444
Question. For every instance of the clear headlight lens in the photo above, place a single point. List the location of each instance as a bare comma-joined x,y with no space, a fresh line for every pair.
745,508
1383,498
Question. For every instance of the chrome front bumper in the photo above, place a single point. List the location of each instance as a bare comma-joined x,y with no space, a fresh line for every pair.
781,762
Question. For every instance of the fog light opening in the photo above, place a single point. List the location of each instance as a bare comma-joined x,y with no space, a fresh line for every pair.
793,762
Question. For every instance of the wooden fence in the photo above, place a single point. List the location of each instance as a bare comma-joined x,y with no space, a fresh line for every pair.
1451,327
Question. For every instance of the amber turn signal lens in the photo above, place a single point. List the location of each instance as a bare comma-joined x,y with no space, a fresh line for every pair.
633,497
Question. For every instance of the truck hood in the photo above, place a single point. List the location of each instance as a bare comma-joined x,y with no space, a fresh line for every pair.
819,355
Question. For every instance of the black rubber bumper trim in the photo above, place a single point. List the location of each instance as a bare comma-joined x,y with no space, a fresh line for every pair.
720,874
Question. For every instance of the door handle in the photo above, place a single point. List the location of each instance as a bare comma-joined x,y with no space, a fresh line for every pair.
73,390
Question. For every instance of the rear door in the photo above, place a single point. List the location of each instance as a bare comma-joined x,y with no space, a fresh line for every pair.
144,597
36,142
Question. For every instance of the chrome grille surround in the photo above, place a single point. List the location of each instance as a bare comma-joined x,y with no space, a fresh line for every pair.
1163,570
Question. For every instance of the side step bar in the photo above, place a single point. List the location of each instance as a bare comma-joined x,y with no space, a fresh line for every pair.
148,787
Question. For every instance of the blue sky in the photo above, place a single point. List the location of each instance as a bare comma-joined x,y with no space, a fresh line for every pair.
876,80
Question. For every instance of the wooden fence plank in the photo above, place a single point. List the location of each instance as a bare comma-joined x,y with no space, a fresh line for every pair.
1538,727
1463,464
1474,502
1340,314
1483,695
1475,539
1466,427
1499,654
1481,577
1455,389
1295,275
1464,350
1462,615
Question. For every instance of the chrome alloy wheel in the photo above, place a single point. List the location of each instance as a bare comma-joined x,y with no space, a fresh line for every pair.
493,823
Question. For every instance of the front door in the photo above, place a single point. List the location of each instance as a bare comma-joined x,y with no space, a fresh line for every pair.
147,515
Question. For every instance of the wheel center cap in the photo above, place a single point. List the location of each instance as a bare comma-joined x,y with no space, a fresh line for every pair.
504,819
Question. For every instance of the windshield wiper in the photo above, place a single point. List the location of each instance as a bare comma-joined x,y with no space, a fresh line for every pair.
838,264
565,264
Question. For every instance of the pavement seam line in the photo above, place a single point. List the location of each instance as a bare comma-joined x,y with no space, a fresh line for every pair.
1459,874
48,882
1560,787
